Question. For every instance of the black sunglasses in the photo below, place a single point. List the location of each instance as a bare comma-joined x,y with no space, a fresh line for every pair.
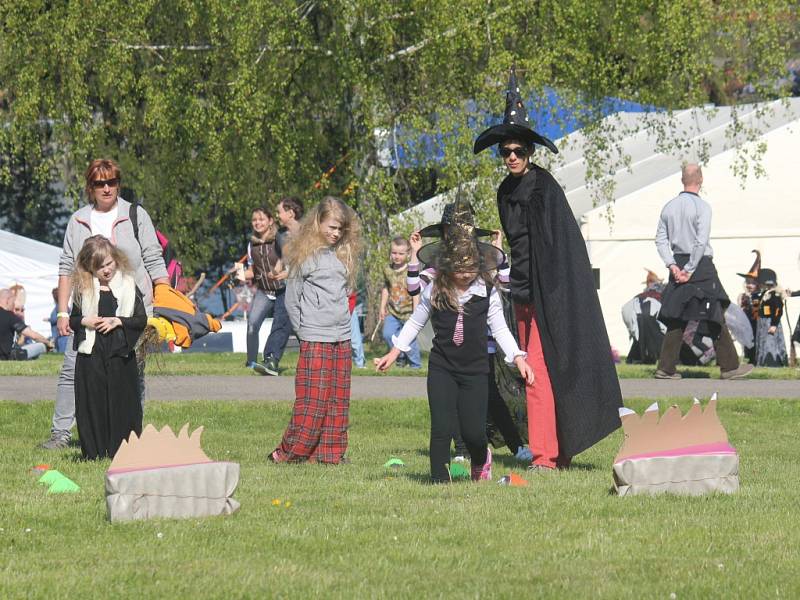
520,151
101,183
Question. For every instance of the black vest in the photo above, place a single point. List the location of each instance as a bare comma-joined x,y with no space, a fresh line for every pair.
470,358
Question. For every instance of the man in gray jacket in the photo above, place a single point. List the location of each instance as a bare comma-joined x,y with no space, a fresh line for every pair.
109,215
694,292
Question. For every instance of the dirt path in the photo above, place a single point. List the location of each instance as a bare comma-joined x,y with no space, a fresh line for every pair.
167,388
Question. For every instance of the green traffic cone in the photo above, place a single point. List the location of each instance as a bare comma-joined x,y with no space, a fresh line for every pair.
459,471
50,477
63,486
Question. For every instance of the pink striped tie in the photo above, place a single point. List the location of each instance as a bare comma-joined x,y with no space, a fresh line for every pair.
458,332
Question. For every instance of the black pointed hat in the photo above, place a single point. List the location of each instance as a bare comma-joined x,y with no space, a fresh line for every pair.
459,248
515,125
767,277
753,272
455,214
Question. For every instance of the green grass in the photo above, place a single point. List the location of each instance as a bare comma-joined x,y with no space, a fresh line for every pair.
231,363
358,531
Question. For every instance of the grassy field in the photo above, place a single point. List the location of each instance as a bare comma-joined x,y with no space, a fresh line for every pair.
360,531
231,363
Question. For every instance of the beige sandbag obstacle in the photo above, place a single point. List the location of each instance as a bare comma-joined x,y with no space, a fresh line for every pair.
163,475
675,454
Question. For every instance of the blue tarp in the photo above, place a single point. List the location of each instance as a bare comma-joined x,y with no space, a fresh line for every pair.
548,113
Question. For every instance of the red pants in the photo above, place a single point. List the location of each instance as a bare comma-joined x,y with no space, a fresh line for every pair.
318,428
542,436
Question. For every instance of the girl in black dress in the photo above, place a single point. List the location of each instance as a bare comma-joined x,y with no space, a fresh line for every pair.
107,317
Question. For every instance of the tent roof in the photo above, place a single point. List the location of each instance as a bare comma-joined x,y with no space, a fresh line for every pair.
28,248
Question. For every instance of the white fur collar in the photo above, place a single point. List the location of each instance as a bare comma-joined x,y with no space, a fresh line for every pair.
124,289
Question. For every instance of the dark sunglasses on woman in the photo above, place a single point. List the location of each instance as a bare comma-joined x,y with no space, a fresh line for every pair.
101,183
519,151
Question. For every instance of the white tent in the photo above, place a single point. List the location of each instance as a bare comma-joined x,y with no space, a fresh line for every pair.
764,215
33,265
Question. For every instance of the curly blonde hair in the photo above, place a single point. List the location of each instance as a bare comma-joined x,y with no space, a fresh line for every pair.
94,252
309,238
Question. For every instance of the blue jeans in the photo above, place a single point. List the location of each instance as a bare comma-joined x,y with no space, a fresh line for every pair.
392,326
261,307
281,327
356,342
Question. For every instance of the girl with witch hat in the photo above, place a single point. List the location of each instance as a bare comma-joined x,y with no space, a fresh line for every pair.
575,401
748,302
770,343
460,303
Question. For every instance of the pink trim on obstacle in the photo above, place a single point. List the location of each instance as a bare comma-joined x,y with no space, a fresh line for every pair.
129,470
715,448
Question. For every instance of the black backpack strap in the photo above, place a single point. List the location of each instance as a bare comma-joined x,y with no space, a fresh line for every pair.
134,217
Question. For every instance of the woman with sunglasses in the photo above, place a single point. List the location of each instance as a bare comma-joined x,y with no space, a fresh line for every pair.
106,214
574,402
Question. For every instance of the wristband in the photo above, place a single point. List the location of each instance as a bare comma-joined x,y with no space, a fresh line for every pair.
62,314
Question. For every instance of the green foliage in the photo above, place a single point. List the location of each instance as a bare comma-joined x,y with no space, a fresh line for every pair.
213,107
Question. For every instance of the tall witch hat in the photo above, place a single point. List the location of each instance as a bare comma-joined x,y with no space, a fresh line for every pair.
652,277
753,272
515,125
459,248
455,214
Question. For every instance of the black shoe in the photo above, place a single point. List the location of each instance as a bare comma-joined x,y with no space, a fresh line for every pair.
271,365
259,368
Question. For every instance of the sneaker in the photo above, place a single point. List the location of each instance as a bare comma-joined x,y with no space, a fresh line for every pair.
484,473
57,441
524,454
259,368
271,365
540,468
664,375
739,373
459,459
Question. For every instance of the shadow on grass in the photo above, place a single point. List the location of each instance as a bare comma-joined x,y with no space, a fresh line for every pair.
695,374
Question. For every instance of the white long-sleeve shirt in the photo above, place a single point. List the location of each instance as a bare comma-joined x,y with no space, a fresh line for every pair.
494,318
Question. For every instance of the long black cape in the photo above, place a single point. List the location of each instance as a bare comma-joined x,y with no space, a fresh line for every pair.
573,333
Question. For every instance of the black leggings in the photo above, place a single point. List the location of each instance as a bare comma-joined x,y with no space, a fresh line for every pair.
500,415
465,395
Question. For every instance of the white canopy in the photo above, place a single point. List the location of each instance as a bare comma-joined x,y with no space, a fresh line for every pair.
764,215
33,265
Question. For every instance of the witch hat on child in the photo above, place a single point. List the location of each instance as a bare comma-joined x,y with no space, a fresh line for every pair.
652,278
459,248
515,125
753,272
767,277
464,218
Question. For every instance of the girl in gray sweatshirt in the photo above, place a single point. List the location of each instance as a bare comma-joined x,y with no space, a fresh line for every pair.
322,258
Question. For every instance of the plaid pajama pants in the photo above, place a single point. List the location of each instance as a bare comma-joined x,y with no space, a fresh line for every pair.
317,431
